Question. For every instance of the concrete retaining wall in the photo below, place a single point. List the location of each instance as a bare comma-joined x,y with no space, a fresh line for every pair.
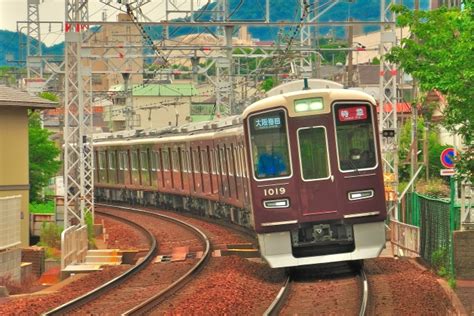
10,263
464,254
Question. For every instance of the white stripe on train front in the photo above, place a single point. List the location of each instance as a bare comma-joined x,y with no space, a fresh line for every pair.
279,223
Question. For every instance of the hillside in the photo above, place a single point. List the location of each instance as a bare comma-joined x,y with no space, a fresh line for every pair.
366,10
10,43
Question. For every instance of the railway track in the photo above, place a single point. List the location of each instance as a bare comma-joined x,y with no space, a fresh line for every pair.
298,291
148,303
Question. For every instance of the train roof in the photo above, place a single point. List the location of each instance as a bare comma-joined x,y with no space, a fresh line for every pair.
286,100
189,132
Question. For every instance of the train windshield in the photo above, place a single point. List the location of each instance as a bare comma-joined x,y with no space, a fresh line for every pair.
355,136
269,145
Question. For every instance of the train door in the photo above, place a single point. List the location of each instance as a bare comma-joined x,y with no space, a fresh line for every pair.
154,167
102,165
231,171
168,179
121,167
182,167
176,169
135,172
187,176
144,167
224,172
196,170
317,188
112,164
213,171
206,178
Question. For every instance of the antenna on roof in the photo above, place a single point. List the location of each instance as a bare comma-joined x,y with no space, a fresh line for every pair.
306,86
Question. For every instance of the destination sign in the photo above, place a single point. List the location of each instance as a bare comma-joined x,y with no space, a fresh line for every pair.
354,113
267,122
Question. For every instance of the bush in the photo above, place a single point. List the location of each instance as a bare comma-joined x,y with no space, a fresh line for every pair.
47,207
434,187
50,235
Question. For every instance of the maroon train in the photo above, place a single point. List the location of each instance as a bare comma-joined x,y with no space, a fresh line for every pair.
302,168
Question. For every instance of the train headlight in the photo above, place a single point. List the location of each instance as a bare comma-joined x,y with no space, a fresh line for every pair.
360,195
311,104
280,203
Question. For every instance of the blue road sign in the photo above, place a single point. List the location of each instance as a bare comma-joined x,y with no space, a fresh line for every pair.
447,157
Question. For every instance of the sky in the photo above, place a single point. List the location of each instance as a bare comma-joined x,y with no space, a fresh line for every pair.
12,11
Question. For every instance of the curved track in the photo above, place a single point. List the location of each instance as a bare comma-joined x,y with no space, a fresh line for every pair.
149,303
281,301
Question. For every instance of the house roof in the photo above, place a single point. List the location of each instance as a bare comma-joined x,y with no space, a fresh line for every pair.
166,90
13,97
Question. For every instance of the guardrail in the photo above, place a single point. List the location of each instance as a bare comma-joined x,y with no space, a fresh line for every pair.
74,245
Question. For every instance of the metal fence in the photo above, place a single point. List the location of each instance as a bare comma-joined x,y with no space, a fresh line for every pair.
74,245
437,219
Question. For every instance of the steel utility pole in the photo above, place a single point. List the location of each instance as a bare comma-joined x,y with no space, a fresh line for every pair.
33,41
78,153
388,108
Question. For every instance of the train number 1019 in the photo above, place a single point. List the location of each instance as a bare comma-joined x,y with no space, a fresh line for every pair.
274,191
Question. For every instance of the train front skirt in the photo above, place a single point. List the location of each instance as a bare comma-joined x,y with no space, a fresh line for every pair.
277,250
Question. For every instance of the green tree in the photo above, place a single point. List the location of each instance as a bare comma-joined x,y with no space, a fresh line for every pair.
439,56
44,154
434,150
268,84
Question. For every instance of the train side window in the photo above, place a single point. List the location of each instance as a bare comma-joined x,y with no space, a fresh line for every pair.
134,160
236,161
144,160
211,157
196,166
121,160
222,161
269,145
204,161
112,161
313,153
166,159
355,135
158,160
182,154
230,164
153,162
125,161
216,160
175,160
102,160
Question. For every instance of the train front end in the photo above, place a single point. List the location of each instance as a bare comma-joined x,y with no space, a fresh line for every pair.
316,177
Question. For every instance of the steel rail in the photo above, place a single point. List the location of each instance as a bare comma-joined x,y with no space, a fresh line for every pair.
91,295
156,299
365,292
277,304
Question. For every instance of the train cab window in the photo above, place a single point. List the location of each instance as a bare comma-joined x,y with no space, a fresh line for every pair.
204,161
102,160
166,159
269,145
313,153
355,136
112,161
144,160
134,155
